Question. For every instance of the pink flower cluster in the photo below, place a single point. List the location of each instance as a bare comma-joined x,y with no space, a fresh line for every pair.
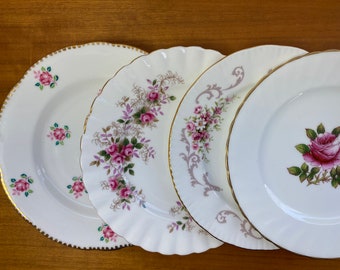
120,153
198,125
117,185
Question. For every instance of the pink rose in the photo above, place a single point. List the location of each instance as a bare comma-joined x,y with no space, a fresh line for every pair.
113,182
147,117
108,233
195,146
324,151
45,78
59,134
78,186
190,126
22,185
153,96
196,136
112,149
198,109
118,158
127,150
218,110
125,192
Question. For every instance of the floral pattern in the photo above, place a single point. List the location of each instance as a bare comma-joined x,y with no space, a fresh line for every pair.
78,187
321,156
184,221
22,185
45,78
123,141
107,233
204,121
59,134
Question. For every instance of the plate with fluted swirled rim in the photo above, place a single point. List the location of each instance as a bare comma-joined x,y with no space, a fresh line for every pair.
41,124
284,155
198,136
124,151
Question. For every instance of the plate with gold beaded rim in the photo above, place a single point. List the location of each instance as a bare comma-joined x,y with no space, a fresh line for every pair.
198,137
292,158
41,125
124,151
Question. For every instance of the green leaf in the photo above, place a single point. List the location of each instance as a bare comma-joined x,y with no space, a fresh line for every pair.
56,77
121,121
334,183
314,170
43,69
320,129
49,69
23,175
100,228
126,141
333,172
117,140
154,82
302,148
12,185
304,167
30,180
66,127
37,84
294,170
179,222
68,135
138,145
13,180
26,194
134,140
69,186
311,134
41,87
52,85
30,191
131,172
302,177
102,238
172,98
338,170
336,131
57,143
56,125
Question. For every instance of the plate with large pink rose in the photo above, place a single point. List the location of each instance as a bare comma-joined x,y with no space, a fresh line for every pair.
41,122
284,155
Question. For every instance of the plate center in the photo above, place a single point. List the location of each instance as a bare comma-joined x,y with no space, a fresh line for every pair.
298,156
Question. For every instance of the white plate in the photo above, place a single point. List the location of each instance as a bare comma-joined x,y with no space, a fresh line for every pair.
41,124
284,152
199,134
125,156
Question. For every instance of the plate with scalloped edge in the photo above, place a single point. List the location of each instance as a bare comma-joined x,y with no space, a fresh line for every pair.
124,151
40,128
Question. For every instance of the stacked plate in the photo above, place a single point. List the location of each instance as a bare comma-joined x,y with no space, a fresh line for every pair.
177,151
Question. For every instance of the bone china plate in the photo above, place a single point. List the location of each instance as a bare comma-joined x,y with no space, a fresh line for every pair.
198,137
284,156
124,151
40,128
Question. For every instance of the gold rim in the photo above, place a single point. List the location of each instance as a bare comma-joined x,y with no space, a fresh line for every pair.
235,117
5,104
